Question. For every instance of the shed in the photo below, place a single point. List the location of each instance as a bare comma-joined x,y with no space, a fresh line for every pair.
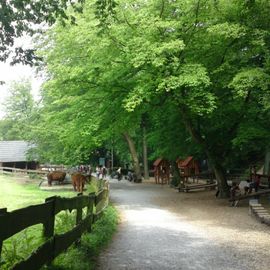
161,171
14,154
188,167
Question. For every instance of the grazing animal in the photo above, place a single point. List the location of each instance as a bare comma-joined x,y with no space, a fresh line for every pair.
56,176
78,181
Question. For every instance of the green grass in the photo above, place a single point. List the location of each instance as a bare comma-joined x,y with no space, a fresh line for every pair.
18,193
84,256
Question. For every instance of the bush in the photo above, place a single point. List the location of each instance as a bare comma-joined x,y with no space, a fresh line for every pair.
83,257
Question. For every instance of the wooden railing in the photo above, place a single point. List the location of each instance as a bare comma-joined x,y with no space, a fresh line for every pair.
16,170
18,220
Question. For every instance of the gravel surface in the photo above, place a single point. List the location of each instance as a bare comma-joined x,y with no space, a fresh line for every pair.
162,229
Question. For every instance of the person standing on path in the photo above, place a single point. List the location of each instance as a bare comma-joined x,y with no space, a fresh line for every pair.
119,174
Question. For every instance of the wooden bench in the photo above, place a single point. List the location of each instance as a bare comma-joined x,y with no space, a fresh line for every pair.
202,186
251,195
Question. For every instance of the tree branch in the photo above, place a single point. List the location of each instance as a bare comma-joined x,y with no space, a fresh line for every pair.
162,8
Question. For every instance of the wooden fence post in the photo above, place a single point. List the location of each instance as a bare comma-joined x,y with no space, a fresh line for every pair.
78,219
79,213
90,208
3,211
48,227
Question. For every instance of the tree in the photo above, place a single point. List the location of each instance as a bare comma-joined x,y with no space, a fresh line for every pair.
205,63
199,69
19,107
89,102
18,18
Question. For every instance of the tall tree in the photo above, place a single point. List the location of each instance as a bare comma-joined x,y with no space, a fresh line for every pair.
205,62
200,69
19,107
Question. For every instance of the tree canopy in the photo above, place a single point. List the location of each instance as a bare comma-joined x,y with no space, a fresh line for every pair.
20,17
19,109
197,72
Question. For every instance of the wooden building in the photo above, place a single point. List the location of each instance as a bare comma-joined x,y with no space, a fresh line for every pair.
188,167
14,154
162,171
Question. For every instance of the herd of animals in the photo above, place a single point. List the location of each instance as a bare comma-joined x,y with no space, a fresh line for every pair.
78,179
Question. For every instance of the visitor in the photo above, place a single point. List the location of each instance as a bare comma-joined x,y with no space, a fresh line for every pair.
104,172
119,174
98,172
255,183
234,192
130,176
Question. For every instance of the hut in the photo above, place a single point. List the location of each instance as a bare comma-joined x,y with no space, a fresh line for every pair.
188,167
162,171
14,154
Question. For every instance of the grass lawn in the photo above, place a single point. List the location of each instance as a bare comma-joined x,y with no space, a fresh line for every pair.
18,192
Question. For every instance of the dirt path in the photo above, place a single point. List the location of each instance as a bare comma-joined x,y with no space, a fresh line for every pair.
163,229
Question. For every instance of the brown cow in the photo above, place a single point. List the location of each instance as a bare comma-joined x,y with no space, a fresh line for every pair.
56,176
78,181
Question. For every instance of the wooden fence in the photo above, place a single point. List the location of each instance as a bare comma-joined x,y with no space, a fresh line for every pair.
8,170
18,220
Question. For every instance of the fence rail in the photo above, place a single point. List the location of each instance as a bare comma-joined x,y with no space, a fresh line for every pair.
18,220
16,170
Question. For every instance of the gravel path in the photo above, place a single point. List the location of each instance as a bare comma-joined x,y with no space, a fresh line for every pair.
163,229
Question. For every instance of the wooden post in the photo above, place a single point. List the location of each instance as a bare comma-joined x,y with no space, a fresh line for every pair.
3,211
90,208
79,213
48,227
78,219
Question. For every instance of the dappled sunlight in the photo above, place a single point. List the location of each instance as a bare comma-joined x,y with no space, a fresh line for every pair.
144,218
153,217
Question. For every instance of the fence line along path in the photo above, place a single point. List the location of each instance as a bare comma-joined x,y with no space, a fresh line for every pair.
18,220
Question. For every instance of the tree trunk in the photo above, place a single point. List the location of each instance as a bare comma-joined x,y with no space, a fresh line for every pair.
145,156
134,156
177,180
223,188
266,168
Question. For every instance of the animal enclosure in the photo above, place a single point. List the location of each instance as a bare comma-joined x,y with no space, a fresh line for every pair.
18,220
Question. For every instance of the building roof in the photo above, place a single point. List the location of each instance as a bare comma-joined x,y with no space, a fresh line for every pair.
185,162
14,151
157,162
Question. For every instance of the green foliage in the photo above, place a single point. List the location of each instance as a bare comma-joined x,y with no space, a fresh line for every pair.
19,110
20,17
252,79
199,71
84,256
21,245
227,30
102,232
